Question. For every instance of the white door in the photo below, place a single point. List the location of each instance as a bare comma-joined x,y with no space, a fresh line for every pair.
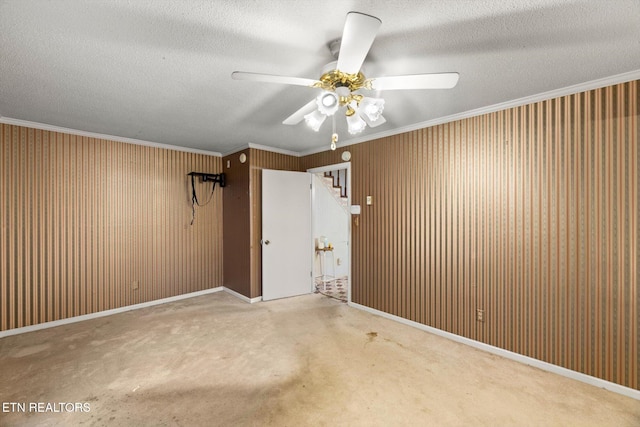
287,246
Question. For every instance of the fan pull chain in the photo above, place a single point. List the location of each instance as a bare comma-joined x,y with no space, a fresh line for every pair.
334,135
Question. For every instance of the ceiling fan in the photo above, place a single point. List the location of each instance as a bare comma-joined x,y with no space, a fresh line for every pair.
344,85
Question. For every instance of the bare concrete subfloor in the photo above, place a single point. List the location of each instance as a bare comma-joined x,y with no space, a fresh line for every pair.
311,360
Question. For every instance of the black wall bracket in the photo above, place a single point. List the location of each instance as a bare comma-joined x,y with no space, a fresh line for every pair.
219,178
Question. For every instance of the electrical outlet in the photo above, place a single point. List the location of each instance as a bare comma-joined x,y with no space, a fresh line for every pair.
369,200
134,285
480,315
338,261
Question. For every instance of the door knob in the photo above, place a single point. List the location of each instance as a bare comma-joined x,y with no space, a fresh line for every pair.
266,242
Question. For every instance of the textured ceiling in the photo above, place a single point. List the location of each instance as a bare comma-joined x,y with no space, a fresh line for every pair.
160,71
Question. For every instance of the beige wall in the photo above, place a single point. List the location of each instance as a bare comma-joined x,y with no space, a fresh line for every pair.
530,214
83,218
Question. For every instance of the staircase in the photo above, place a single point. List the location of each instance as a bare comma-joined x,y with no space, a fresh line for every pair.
336,182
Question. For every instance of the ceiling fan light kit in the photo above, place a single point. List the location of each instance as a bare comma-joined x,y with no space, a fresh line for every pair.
328,103
315,119
356,123
372,108
342,82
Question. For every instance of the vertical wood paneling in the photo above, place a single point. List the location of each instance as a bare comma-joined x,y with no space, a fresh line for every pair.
530,214
237,225
82,218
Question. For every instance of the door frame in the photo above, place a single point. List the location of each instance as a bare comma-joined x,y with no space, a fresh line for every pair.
347,166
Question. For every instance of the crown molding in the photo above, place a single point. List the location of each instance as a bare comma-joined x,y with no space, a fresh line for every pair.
275,150
52,128
569,90
235,150
262,148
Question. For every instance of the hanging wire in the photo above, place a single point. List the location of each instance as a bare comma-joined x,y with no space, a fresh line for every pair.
194,198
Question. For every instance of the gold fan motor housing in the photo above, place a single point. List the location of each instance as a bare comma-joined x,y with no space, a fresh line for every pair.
334,79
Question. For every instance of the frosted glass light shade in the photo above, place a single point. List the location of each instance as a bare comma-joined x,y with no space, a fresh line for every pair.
327,103
371,107
314,120
356,124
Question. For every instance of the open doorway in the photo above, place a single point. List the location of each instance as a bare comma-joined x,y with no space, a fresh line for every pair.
331,227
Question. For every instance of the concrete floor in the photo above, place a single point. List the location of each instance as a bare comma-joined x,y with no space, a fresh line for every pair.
310,360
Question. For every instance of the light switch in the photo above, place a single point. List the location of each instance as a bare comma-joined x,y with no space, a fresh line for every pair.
369,200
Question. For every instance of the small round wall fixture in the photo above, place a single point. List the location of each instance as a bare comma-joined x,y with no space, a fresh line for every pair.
346,156
243,158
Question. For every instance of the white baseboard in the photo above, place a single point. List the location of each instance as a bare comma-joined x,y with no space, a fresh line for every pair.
545,366
242,297
54,323
104,313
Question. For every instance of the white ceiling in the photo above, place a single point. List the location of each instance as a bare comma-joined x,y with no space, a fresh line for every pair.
160,70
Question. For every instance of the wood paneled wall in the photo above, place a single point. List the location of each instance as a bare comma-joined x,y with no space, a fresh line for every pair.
530,214
237,220
83,218
243,217
260,159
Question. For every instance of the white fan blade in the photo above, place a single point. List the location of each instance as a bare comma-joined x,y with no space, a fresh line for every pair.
417,81
357,37
298,116
270,78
